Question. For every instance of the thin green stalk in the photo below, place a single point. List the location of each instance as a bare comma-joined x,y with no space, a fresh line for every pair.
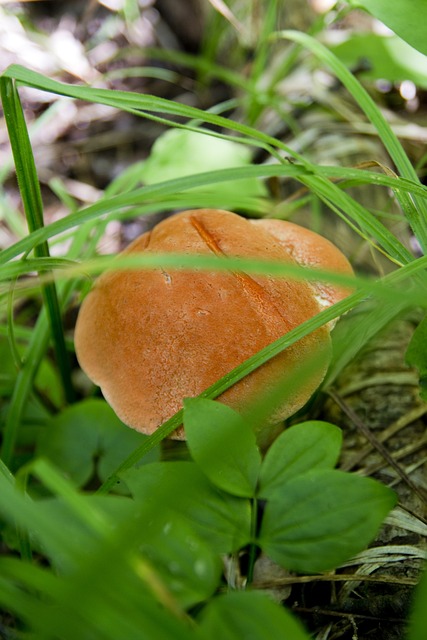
260,61
31,196
23,386
252,545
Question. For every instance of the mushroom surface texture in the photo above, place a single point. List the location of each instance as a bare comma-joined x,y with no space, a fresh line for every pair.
150,338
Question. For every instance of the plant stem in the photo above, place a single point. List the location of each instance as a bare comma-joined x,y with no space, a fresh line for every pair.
253,546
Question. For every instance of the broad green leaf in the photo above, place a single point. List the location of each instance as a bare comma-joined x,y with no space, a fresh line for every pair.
301,448
416,355
389,57
322,518
88,437
223,445
185,562
179,153
407,18
248,615
217,517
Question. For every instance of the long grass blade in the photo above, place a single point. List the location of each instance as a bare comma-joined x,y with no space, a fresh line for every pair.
417,216
163,189
31,197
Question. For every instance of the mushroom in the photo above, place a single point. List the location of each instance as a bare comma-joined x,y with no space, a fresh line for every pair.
309,249
150,338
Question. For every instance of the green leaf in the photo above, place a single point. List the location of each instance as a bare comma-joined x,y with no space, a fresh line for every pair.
322,518
223,445
88,437
390,58
217,517
301,448
185,562
407,18
416,355
249,615
105,589
179,153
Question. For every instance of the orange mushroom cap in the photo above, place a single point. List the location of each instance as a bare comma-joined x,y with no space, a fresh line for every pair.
150,338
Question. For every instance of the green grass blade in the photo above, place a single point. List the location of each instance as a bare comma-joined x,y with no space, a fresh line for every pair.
31,196
417,216
330,193
147,105
144,105
141,195
161,190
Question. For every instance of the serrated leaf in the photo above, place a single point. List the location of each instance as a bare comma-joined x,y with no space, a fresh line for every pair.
301,448
223,445
416,355
249,615
322,518
88,436
217,517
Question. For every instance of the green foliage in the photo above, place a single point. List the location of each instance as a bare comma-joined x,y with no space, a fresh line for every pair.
225,448
180,153
88,437
250,615
165,542
46,381
405,17
416,355
32,200
305,447
318,519
315,517
388,57
182,487
418,622
146,562
296,480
